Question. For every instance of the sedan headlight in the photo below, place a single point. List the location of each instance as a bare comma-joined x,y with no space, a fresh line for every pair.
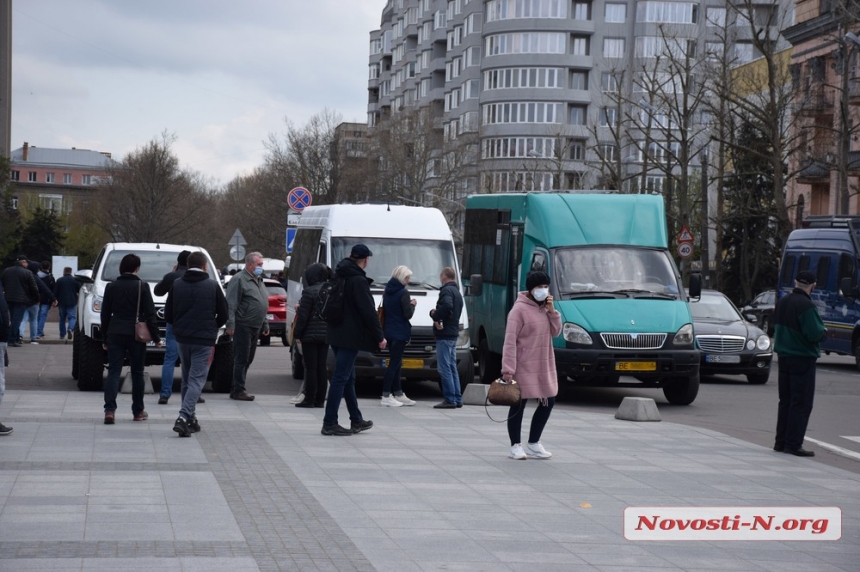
97,303
684,336
763,342
575,334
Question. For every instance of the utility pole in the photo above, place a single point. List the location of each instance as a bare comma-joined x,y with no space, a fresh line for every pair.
705,255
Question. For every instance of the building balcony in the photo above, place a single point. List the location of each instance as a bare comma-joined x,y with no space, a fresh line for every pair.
813,171
816,102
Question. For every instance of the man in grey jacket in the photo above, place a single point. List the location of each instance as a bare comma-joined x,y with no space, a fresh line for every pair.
248,301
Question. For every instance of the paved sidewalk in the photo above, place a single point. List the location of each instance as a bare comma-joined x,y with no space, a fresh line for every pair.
260,489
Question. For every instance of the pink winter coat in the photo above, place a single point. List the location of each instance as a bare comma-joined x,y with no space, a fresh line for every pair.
528,353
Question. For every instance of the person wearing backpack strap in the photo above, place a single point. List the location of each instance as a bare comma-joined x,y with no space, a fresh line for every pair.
248,302
311,332
359,330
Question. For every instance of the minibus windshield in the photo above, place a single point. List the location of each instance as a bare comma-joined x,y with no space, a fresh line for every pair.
426,258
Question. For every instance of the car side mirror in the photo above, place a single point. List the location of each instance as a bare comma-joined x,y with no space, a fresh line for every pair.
84,276
695,285
751,318
476,285
846,286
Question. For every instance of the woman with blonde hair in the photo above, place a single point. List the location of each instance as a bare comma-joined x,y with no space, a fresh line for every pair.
399,308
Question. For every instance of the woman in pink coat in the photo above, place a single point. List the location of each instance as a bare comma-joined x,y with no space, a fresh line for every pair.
529,359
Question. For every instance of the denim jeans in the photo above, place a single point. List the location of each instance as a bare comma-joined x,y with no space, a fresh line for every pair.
391,381
539,419
118,346
244,349
43,317
31,316
342,386
446,364
195,364
69,313
171,352
16,314
796,393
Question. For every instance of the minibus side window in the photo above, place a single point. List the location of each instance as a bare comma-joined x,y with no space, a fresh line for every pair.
846,268
822,272
787,274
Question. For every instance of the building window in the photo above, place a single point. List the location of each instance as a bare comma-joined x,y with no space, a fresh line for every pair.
473,56
577,114
615,13
613,47
86,179
471,89
608,152
53,203
668,12
715,17
524,43
49,177
579,79
582,11
31,177
577,150
14,203
514,147
67,178
609,117
608,82
15,176
506,78
579,45
515,9
525,112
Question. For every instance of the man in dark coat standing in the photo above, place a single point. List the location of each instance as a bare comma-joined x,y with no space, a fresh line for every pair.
66,291
171,353
21,293
359,330
197,308
446,327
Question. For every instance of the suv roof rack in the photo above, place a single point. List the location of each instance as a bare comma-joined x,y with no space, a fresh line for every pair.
831,221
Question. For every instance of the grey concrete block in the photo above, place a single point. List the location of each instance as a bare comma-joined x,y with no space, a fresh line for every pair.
638,409
125,384
475,394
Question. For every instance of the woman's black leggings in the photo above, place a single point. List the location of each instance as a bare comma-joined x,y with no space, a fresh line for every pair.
541,416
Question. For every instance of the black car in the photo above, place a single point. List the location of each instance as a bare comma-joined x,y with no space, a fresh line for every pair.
729,344
760,311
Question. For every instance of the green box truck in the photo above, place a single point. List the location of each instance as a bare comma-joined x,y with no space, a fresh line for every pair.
626,322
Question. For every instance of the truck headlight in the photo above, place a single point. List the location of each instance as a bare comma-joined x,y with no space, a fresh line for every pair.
684,336
763,342
575,334
97,304
463,339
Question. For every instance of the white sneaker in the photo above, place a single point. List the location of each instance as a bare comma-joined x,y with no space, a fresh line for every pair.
390,402
517,452
537,451
404,400
298,398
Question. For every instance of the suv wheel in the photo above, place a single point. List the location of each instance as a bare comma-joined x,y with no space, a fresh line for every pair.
76,350
91,357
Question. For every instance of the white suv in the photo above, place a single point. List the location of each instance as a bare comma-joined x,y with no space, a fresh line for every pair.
157,259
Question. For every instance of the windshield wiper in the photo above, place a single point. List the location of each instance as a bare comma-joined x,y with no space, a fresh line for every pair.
425,285
650,293
589,293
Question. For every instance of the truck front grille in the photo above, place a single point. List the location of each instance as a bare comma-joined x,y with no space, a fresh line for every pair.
633,341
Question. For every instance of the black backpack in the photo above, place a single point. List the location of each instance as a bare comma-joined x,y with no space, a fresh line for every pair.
330,301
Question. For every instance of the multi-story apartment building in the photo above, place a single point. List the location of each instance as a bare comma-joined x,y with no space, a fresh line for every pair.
544,85
59,179
827,123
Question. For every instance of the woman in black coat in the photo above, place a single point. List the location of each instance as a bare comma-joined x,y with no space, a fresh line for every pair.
126,300
310,331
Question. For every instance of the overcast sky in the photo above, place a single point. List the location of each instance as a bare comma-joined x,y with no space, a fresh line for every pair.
220,75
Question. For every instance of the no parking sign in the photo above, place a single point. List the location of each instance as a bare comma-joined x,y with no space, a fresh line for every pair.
299,198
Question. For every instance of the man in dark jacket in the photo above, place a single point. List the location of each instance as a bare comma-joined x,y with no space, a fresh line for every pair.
446,326
359,330
196,307
798,330
310,332
21,293
66,290
4,339
171,353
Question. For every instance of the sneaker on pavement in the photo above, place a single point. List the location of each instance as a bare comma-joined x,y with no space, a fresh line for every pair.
242,396
34,343
517,452
390,401
201,400
142,416
403,399
194,426
5,430
163,400
69,335
336,430
359,426
298,398
181,427
536,451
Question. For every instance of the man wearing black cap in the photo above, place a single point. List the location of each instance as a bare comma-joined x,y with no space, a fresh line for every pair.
21,293
171,350
359,330
798,329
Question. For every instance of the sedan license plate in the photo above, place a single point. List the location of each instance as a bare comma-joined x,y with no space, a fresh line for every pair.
270,317
722,359
408,364
636,366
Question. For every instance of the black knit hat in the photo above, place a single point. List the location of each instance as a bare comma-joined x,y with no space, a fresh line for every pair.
536,279
182,259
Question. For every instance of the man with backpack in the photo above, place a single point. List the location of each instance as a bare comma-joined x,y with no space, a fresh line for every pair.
350,314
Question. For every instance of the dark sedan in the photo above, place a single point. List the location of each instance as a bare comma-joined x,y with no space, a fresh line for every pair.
760,311
729,344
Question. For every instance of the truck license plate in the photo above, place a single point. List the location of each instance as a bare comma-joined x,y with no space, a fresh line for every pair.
636,366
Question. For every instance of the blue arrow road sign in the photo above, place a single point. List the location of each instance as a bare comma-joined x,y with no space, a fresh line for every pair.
291,237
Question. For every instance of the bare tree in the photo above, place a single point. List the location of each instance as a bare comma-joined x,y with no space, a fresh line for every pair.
149,198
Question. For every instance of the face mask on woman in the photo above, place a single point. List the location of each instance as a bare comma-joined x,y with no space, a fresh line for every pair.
540,294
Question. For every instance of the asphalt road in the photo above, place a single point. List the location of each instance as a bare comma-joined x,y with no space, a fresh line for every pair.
725,404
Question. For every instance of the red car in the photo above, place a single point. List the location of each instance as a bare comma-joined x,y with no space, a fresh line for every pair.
277,314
